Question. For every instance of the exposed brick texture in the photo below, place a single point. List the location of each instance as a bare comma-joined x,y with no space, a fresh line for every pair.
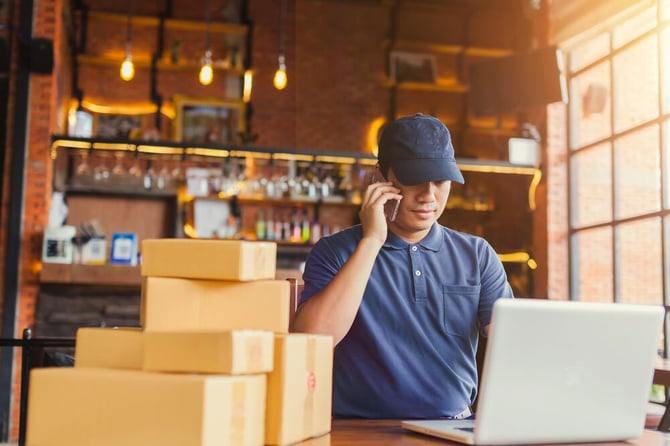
336,60
557,196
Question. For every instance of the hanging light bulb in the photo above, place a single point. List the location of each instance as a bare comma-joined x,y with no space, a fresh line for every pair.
127,70
280,78
206,73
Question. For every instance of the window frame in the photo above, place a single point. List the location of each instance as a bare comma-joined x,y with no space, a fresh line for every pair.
574,148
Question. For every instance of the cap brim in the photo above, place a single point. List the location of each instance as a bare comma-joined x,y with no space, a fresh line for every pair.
417,171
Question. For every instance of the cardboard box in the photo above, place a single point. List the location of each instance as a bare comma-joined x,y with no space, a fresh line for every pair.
117,348
299,395
170,304
103,407
209,259
227,352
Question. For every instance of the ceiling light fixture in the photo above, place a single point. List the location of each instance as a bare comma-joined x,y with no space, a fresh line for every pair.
127,70
280,78
206,72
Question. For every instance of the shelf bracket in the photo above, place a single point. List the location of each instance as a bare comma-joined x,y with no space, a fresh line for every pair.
537,177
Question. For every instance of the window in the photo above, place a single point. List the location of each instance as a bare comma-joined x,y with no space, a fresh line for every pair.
591,198
618,161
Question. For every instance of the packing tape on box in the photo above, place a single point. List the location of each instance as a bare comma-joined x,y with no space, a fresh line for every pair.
308,424
238,415
254,350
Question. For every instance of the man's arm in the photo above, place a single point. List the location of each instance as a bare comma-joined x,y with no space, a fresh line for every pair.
332,310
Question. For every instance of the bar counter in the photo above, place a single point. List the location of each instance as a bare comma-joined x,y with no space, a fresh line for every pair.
389,433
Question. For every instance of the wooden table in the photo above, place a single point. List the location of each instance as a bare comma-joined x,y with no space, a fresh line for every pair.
389,433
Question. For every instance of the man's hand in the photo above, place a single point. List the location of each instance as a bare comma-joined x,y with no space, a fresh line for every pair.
372,209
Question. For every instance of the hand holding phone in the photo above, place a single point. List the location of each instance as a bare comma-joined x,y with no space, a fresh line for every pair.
392,206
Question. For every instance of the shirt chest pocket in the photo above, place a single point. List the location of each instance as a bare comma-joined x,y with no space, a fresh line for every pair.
460,309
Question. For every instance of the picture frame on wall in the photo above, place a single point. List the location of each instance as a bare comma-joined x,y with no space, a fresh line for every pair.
210,121
117,126
118,121
412,67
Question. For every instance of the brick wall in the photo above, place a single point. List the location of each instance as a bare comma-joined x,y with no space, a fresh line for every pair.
557,197
37,182
336,63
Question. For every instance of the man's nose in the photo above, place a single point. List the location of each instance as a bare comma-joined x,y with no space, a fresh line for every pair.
427,191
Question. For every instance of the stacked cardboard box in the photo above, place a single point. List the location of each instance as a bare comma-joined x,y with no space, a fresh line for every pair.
212,364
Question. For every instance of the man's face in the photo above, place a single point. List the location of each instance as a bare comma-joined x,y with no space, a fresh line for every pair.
421,206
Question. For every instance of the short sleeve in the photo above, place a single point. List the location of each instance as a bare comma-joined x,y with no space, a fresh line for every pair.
320,267
494,283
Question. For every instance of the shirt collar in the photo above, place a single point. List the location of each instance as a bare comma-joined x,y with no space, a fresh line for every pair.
432,241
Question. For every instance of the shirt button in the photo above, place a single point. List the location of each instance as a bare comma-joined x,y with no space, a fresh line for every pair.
417,272
414,248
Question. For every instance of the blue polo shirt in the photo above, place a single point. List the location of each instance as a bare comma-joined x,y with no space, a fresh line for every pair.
410,352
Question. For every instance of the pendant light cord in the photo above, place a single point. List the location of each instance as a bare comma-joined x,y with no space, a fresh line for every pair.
208,49
282,28
129,27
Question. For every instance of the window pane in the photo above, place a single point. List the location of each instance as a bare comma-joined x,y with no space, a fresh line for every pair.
589,51
592,265
665,9
665,69
634,27
590,106
637,173
636,84
591,188
639,262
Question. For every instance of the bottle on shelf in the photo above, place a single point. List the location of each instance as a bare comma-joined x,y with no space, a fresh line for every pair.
261,232
296,226
285,228
270,226
278,228
305,235
315,233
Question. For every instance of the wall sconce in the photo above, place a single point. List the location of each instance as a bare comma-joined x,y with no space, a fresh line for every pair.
247,85
127,70
280,78
206,74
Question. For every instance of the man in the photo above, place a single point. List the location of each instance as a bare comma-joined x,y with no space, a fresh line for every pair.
404,298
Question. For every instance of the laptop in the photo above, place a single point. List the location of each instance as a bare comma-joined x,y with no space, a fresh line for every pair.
561,372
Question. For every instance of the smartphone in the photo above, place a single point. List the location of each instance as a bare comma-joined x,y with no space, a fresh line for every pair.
390,207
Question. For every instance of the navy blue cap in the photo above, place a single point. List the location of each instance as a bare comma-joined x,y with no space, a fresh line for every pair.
419,150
